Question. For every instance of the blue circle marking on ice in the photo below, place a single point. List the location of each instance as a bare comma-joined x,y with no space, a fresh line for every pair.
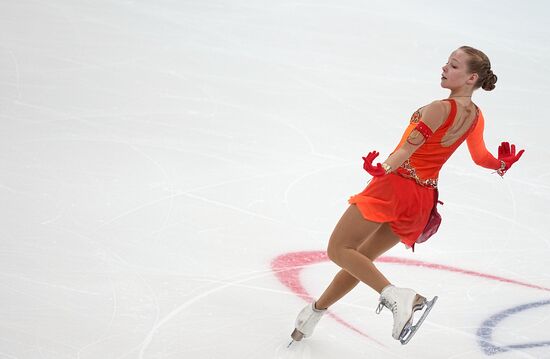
485,331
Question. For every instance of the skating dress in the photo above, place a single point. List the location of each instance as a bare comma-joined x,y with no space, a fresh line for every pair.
405,197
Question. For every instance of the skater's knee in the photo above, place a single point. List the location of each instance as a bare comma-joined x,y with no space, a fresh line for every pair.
334,253
336,246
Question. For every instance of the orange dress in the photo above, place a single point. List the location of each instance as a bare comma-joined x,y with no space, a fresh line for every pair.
405,197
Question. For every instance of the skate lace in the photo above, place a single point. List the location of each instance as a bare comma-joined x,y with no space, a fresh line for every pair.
384,303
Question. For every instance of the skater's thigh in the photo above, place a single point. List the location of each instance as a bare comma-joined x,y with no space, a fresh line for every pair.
351,230
379,242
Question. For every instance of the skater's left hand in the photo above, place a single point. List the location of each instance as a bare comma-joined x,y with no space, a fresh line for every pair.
507,154
375,171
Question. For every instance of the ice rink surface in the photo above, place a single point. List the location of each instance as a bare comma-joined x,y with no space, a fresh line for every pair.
170,172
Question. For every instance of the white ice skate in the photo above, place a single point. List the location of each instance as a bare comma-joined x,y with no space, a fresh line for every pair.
403,302
305,322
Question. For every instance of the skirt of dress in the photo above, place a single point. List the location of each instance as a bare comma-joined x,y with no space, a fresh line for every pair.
399,201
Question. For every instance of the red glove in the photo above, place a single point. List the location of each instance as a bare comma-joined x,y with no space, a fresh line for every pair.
375,171
508,156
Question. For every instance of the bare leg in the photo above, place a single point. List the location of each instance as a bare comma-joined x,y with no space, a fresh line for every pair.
354,244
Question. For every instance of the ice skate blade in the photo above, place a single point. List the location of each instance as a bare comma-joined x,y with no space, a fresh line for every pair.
410,329
296,335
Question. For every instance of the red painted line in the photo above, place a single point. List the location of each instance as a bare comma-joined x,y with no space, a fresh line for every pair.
416,263
287,268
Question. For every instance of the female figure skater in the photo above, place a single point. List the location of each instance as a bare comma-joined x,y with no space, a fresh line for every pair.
397,204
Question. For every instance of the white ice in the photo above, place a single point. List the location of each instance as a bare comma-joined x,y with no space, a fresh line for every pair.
157,156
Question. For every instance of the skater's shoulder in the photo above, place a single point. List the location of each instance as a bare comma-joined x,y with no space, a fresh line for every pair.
436,111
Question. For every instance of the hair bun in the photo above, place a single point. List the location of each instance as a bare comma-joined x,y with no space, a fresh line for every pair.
490,81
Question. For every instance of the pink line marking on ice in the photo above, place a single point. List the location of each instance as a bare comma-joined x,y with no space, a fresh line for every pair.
288,267
416,263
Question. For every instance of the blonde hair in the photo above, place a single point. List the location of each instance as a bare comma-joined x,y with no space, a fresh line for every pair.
479,63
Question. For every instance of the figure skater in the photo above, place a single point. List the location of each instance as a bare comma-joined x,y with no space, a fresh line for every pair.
400,202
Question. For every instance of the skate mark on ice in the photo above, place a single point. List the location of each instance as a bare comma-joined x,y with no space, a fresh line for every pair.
485,331
287,268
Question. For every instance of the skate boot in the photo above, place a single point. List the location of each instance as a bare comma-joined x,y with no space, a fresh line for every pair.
403,302
306,321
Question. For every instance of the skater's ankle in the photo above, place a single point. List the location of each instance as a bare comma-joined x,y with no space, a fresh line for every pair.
386,287
316,307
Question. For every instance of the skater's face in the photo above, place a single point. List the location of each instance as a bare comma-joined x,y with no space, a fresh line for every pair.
456,73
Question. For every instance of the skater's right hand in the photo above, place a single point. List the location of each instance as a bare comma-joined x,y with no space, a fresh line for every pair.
507,154
375,171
